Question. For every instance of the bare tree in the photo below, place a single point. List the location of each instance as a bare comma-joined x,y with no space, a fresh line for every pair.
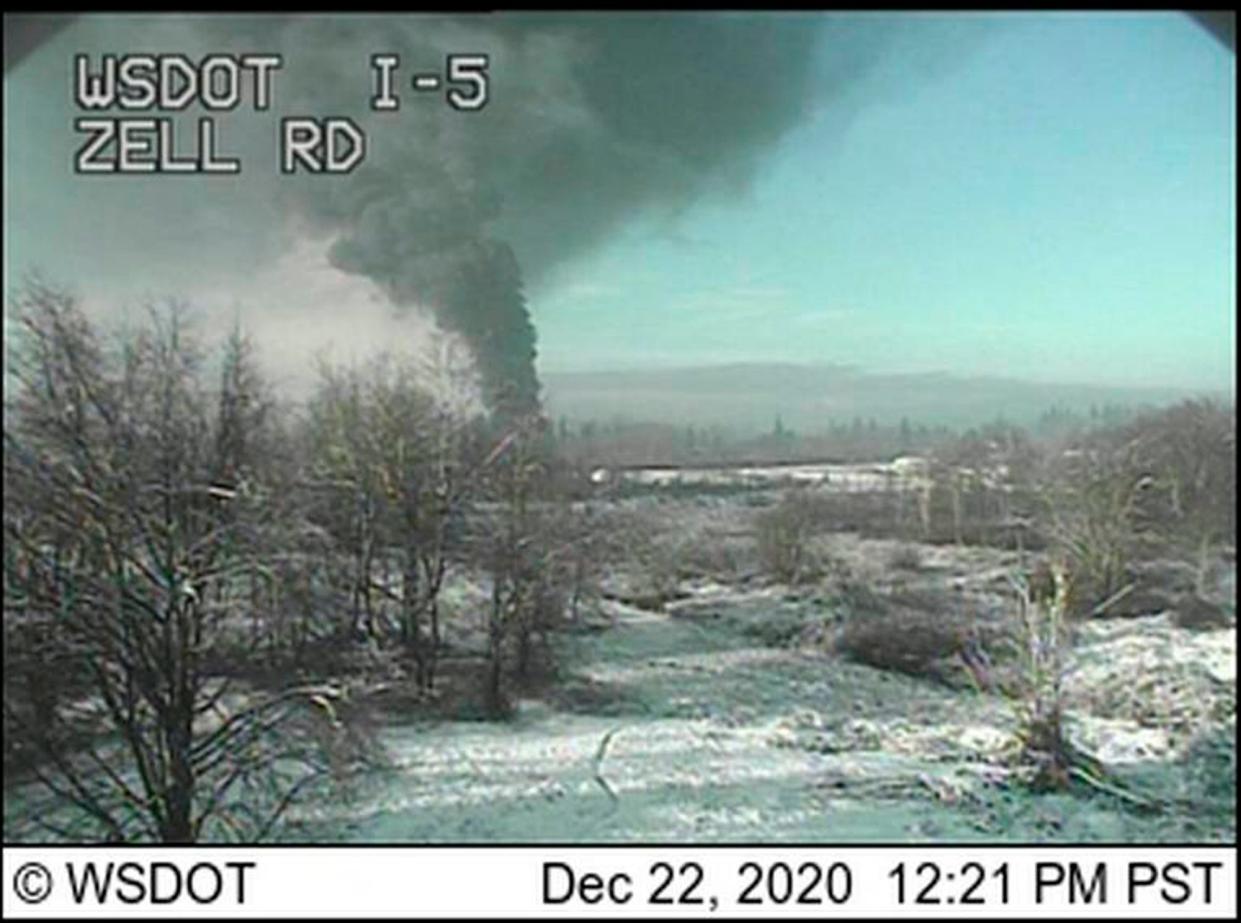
398,440
1190,452
343,460
134,555
528,560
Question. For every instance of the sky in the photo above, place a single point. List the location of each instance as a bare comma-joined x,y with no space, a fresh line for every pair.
1060,206
1041,196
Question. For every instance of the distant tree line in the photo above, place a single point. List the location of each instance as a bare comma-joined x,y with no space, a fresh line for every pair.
634,443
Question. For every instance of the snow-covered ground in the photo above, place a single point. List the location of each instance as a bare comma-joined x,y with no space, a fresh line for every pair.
699,723
839,477
681,726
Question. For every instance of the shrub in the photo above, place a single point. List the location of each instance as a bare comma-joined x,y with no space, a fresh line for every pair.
720,557
1164,484
904,640
1094,503
784,534
905,557
920,633
1190,453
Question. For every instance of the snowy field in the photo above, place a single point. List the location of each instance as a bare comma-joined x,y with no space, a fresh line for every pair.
678,727
703,723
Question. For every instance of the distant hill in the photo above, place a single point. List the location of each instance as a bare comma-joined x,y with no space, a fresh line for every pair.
748,397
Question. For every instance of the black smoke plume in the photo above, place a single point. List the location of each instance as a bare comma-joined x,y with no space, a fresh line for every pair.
593,121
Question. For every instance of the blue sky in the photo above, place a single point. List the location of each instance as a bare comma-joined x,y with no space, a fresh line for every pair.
1059,205
1042,196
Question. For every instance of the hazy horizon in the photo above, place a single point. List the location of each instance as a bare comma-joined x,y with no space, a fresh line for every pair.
750,397
1227,390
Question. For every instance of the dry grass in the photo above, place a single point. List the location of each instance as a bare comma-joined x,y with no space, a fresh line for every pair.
1048,760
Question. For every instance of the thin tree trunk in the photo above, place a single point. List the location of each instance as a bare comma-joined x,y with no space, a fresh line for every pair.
956,512
410,629
178,731
495,651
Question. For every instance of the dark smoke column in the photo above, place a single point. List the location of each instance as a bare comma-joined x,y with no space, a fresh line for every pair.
593,121
424,239
488,308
